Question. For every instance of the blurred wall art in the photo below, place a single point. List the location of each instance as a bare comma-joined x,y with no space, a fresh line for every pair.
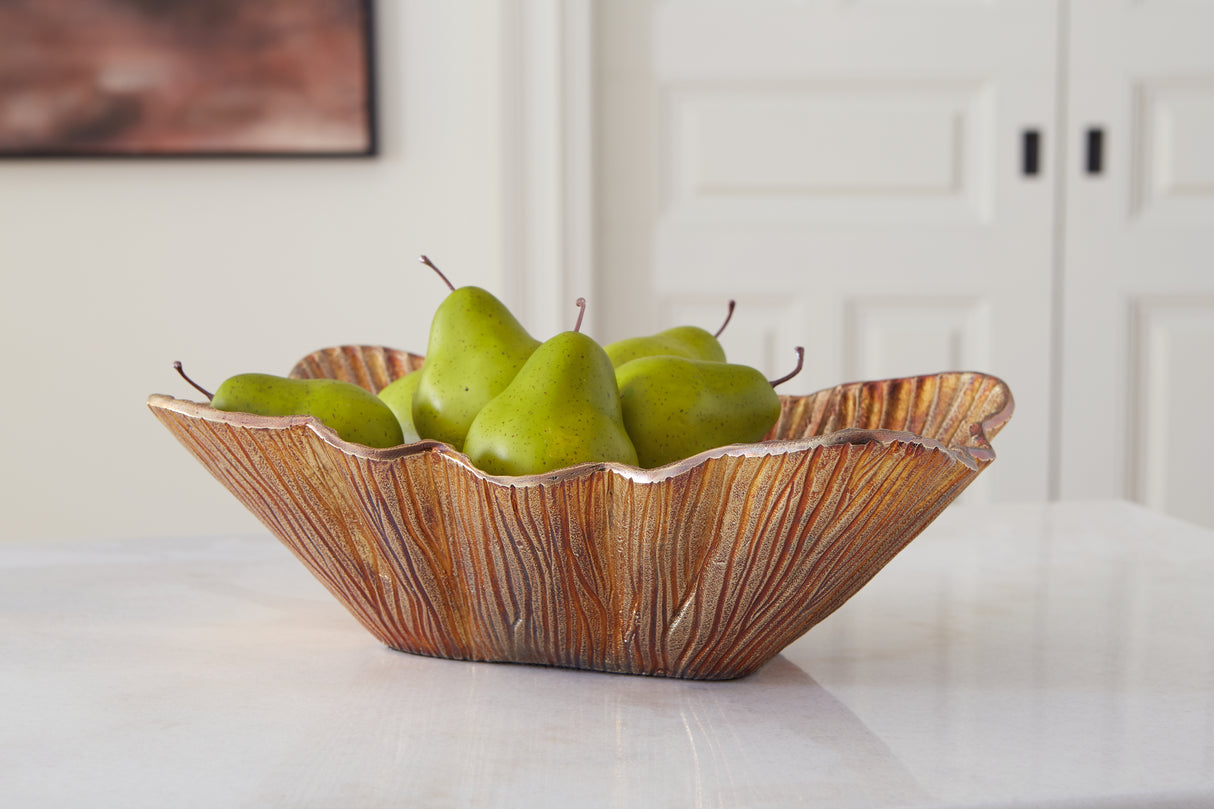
186,77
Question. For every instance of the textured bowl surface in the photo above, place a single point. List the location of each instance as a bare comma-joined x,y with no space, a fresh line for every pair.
702,569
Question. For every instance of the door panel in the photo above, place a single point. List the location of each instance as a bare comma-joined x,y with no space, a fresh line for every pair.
771,152
1172,383
1173,167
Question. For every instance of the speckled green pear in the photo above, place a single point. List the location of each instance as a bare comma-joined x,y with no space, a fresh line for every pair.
690,342
476,346
676,407
355,414
398,396
561,409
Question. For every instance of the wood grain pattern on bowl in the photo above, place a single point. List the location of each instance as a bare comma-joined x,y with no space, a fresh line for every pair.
703,569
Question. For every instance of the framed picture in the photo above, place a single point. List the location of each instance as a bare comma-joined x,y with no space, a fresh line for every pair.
186,78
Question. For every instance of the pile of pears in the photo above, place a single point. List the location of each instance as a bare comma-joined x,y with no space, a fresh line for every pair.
518,406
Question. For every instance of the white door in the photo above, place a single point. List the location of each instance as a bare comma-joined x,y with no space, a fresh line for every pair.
1138,373
853,173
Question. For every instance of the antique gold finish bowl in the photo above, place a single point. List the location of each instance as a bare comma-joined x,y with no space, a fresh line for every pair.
703,569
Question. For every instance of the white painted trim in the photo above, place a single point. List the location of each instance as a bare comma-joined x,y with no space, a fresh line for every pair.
548,162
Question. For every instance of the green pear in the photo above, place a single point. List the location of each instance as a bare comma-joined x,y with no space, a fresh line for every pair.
690,342
675,407
561,409
355,414
476,346
398,396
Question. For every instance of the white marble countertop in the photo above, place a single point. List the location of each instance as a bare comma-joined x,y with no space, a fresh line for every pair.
1045,656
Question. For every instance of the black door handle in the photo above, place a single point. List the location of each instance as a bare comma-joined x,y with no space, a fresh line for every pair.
1030,152
1094,150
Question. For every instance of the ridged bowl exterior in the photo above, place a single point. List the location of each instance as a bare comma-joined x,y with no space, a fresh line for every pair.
702,569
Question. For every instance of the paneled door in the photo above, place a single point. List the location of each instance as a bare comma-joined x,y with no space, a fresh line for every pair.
872,179
1138,373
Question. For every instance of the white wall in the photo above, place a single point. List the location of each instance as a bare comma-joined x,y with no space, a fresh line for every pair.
113,269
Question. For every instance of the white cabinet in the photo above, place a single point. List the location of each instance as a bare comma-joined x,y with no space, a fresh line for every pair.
905,187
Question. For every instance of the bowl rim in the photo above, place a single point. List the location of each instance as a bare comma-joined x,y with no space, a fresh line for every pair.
978,453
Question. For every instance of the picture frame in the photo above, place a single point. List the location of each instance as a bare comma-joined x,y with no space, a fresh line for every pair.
206,78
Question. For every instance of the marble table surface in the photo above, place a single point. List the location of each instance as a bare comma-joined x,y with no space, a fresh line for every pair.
1038,655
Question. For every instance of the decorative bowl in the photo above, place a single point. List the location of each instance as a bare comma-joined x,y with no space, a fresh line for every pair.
702,569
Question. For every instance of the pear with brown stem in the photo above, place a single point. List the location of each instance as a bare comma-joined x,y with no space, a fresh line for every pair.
676,407
690,342
476,346
561,409
355,414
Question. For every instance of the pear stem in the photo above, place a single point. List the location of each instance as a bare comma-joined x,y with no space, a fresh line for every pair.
728,315
426,260
581,304
795,371
195,385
